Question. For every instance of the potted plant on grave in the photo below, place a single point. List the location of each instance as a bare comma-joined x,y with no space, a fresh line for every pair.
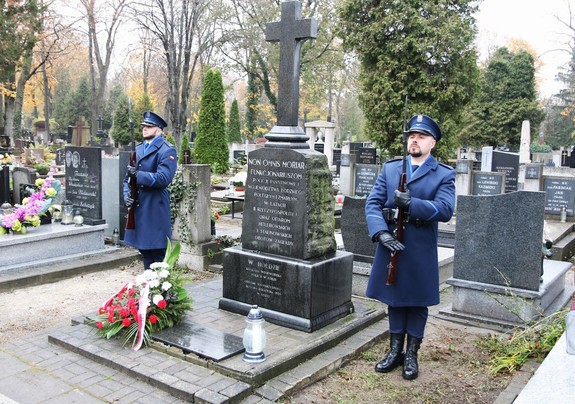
239,186
42,169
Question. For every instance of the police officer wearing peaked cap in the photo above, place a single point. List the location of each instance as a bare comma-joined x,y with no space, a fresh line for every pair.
156,163
428,199
153,119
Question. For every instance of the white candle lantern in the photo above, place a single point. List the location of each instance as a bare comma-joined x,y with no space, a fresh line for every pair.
254,337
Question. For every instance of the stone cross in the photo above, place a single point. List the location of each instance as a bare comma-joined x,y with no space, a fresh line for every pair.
290,31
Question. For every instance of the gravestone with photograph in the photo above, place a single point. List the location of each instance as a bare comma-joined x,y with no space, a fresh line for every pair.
84,182
288,263
497,268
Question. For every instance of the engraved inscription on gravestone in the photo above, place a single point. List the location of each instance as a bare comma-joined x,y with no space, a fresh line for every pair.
365,177
508,164
274,187
559,193
366,155
487,183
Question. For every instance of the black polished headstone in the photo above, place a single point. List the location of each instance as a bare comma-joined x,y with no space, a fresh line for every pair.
559,193
84,182
487,183
365,177
5,195
508,164
337,159
366,155
201,340
319,147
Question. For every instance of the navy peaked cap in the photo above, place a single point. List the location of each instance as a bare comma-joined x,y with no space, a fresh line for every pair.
424,124
153,119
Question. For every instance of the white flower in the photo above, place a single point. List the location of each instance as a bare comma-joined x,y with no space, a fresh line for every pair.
159,265
166,285
157,299
151,275
140,279
154,283
164,273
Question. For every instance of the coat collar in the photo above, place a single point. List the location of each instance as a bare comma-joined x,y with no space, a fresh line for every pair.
429,164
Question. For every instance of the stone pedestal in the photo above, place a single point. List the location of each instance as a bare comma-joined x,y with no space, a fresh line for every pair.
305,295
502,306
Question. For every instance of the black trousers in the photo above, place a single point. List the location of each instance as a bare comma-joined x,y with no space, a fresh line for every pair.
151,256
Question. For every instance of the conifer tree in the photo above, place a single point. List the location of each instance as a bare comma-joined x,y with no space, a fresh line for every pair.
234,126
120,131
211,145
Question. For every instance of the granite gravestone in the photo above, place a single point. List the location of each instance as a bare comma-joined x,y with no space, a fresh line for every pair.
508,164
559,194
337,159
5,185
354,230
498,239
365,177
487,183
84,182
287,263
497,276
21,177
366,155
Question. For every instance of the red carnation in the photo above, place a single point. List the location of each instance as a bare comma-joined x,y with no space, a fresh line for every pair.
99,325
134,311
111,318
101,310
153,319
131,292
162,304
124,313
126,322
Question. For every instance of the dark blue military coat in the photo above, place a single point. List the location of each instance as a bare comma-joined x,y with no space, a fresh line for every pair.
432,188
156,169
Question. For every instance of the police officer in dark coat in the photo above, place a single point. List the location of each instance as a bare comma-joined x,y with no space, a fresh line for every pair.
156,164
428,199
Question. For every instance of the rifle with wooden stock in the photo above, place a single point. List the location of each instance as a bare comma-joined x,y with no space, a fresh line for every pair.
130,219
400,220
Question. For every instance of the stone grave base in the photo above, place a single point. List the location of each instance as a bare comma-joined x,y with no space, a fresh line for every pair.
304,295
500,307
49,243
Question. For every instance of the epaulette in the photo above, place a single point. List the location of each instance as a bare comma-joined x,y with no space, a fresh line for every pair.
392,160
446,166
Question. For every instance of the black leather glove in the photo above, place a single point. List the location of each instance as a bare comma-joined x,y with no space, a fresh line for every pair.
390,242
128,201
132,171
402,199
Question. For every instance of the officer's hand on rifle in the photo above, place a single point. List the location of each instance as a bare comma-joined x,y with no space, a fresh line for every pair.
132,171
402,199
128,201
390,242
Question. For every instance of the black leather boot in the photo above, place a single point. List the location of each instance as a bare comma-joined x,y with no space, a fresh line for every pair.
410,366
394,357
